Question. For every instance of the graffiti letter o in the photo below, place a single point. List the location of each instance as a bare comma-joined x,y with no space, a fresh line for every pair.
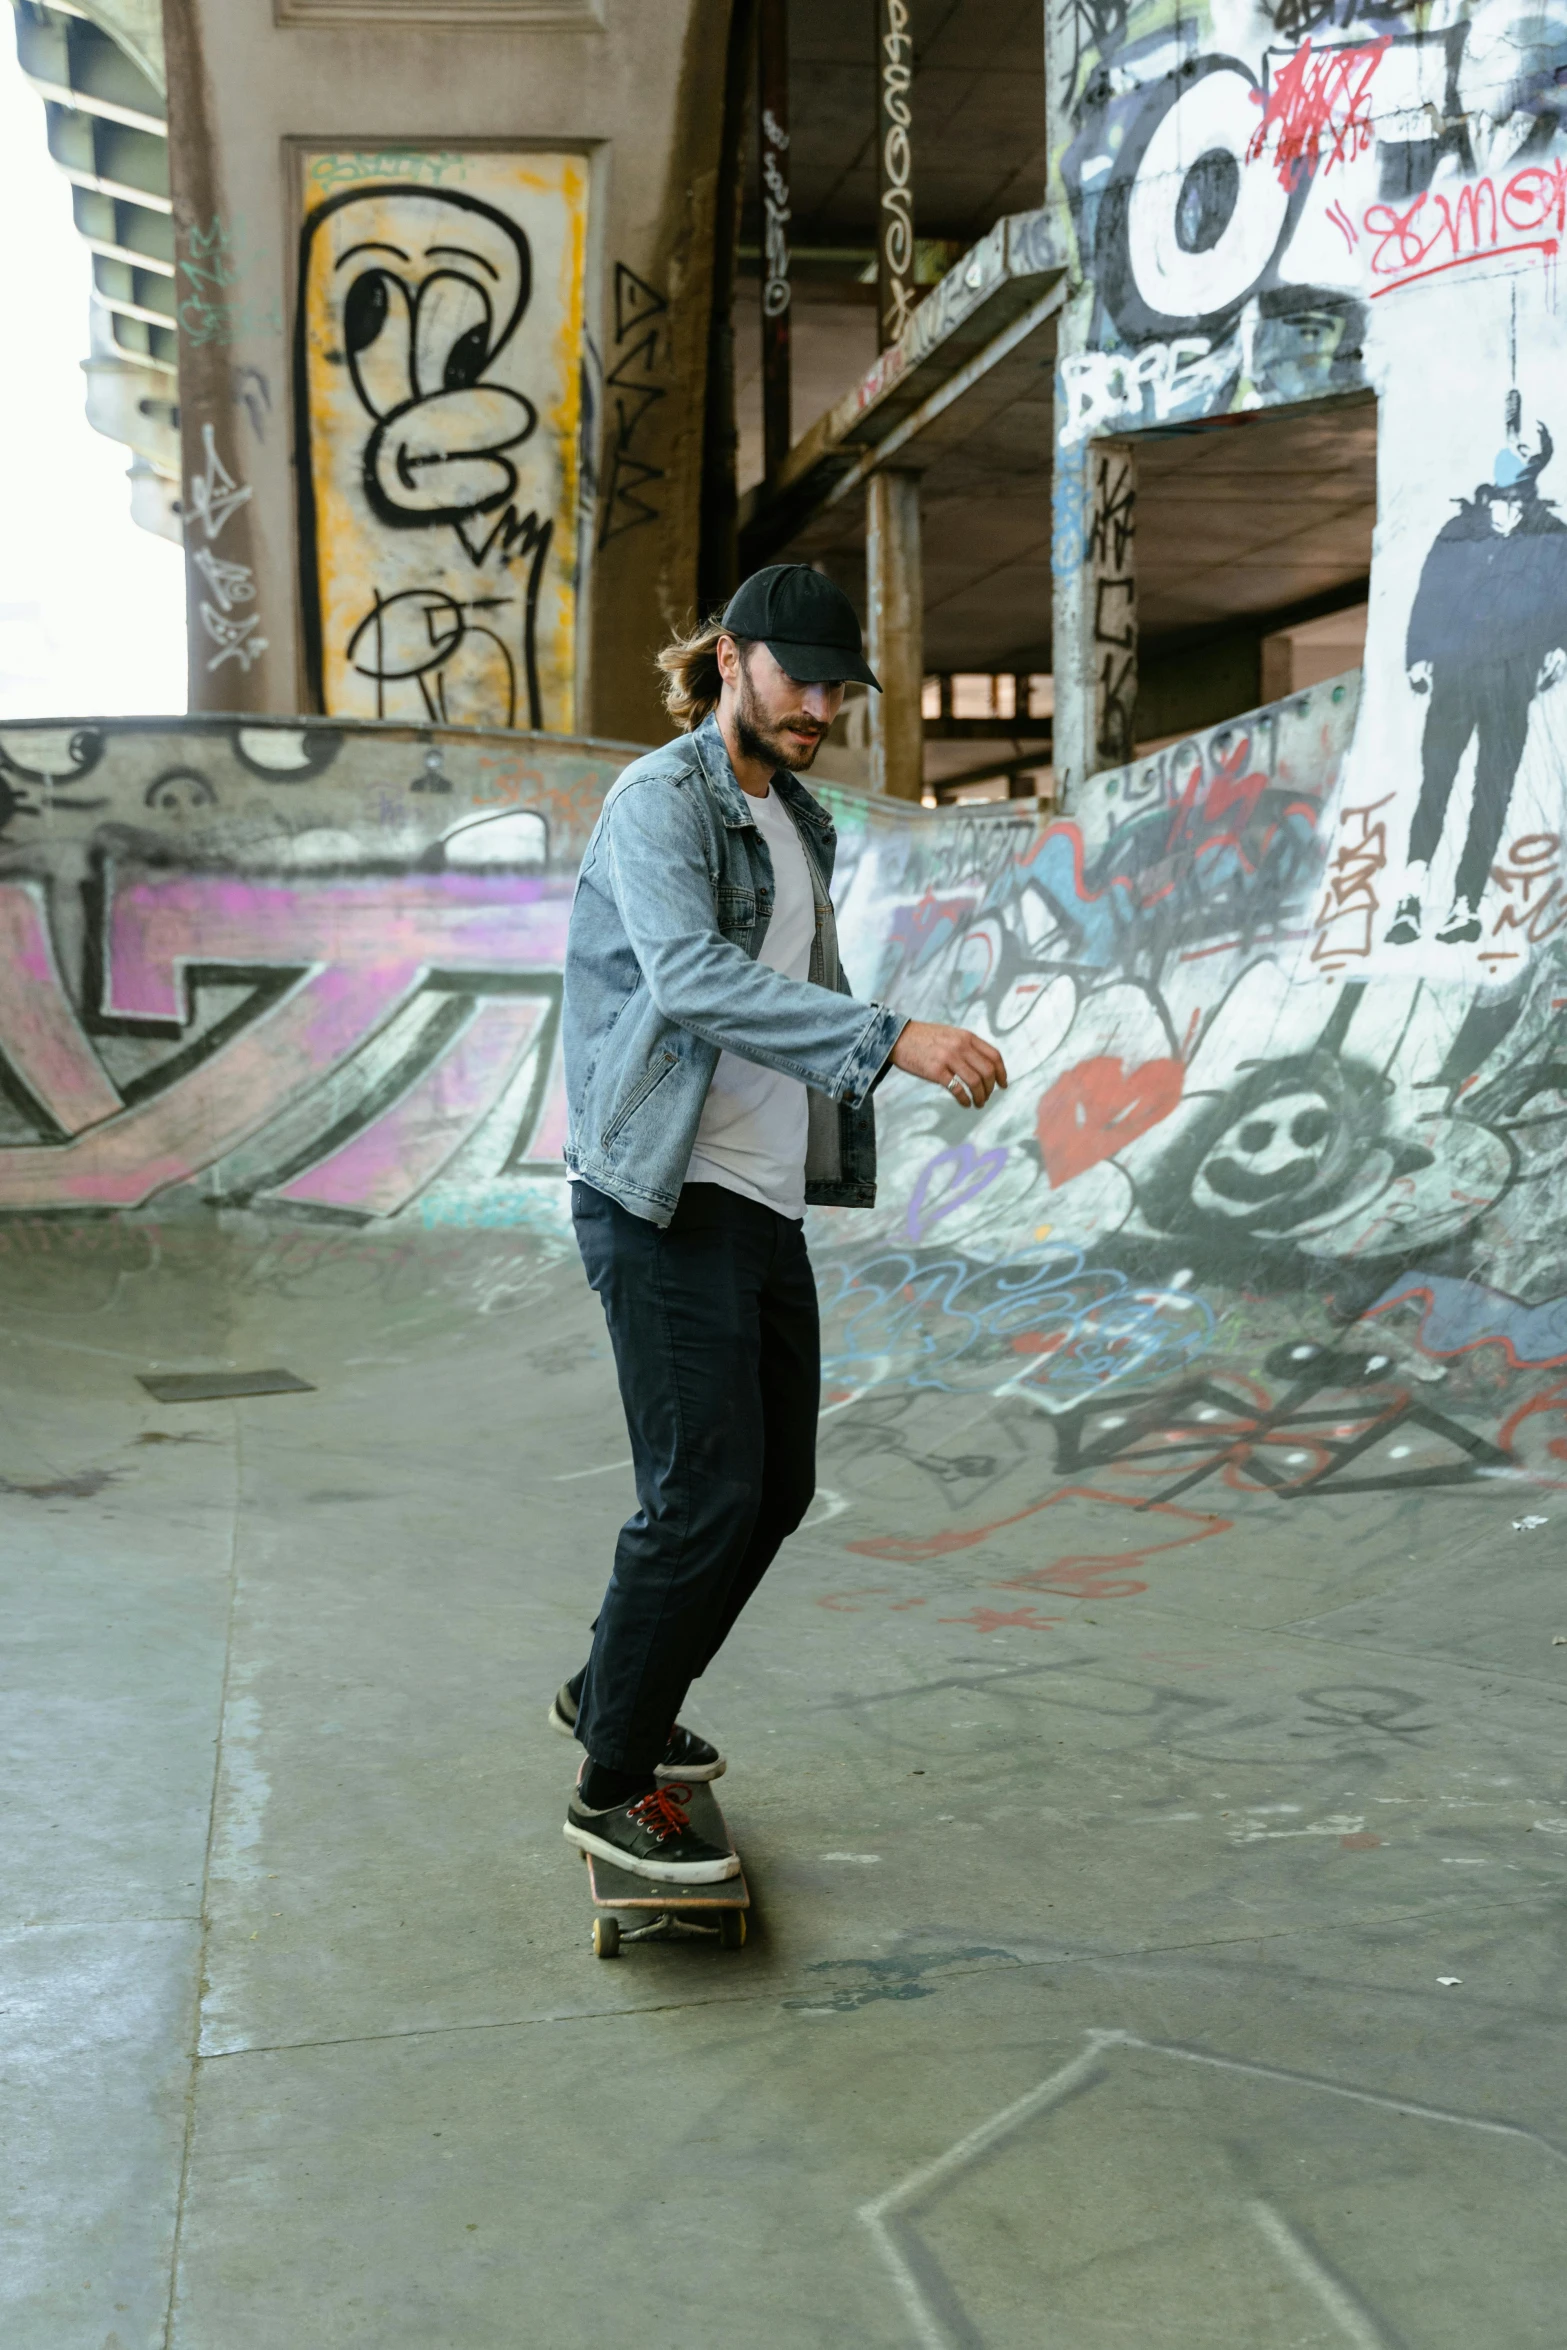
1158,275
1217,115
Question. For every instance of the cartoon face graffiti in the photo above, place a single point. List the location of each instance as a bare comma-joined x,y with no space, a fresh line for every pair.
438,384
1295,1145
429,298
1266,1156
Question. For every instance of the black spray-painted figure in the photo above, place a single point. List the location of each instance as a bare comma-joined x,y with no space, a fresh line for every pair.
1487,633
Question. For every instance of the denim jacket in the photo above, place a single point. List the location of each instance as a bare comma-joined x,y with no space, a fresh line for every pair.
672,907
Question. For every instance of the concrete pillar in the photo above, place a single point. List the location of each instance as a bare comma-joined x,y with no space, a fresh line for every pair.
237,552
314,154
895,595
1095,634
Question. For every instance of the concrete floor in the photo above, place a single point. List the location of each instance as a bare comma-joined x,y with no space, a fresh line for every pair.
1096,1993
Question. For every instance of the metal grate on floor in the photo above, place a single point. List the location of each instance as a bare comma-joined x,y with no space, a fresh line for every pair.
212,1386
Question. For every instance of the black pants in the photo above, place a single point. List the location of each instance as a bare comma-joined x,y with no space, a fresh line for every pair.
1492,703
714,1326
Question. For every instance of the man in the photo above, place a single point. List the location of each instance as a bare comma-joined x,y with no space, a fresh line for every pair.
718,1075
1488,631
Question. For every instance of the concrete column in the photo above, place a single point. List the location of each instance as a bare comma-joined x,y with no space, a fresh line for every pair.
239,615
895,595
595,143
1095,634
772,91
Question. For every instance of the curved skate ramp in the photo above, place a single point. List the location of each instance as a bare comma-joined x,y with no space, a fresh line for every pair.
1146,1757
313,971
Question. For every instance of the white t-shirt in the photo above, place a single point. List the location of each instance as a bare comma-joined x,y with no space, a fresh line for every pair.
753,1131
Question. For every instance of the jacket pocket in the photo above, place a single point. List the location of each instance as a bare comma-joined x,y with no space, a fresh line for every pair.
638,1095
735,909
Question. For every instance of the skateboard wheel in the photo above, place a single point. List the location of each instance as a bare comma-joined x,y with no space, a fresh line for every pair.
606,1937
731,1929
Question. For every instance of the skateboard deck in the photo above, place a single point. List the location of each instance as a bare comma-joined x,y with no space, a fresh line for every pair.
668,1910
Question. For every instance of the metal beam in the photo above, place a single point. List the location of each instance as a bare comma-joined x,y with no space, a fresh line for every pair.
1021,764
118,188
945,396
155,266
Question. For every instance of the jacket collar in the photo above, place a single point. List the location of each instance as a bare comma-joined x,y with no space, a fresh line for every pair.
733,804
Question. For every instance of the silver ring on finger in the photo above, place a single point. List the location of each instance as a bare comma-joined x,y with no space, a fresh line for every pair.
959,1091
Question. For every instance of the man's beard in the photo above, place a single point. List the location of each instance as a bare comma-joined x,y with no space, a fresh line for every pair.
766,745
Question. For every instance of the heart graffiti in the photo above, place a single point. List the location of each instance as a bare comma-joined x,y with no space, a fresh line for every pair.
1099,1107
949,1182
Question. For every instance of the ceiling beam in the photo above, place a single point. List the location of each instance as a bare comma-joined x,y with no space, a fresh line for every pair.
964,327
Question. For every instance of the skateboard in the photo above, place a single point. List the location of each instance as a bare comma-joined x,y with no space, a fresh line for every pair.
670,1912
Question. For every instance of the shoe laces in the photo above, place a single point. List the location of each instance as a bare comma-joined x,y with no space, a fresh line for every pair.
662,1813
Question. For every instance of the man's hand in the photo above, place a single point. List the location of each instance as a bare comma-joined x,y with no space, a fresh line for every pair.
1420,676
964,1063
1552,670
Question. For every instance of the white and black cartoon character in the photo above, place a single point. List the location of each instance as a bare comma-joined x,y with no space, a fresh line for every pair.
1487,633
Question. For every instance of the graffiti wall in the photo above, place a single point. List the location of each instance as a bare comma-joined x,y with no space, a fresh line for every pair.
438,369
1243,1217
1293,200
308,969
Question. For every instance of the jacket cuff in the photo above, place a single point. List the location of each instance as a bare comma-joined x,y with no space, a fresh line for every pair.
867,1062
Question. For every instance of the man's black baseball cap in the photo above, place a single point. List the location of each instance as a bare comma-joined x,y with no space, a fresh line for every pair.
808,625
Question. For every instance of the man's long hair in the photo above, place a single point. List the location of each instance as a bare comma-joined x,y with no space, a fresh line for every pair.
690,666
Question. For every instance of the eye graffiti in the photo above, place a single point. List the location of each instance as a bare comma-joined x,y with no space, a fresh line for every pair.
1184,234
417,348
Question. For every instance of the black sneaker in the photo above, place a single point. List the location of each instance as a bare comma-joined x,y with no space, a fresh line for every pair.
651,1837
1462,925
1405,928
686,1757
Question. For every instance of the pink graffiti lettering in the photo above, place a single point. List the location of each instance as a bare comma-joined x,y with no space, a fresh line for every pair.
43,1038
1317,100
343,957
1456,230
383,1166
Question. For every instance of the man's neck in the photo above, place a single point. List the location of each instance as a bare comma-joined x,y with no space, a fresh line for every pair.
754,776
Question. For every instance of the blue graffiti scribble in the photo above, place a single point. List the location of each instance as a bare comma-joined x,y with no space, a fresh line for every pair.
923,929
1070,504
1058,870
1457,1315
1046,1325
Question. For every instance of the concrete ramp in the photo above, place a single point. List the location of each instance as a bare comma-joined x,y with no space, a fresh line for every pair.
1147,1758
